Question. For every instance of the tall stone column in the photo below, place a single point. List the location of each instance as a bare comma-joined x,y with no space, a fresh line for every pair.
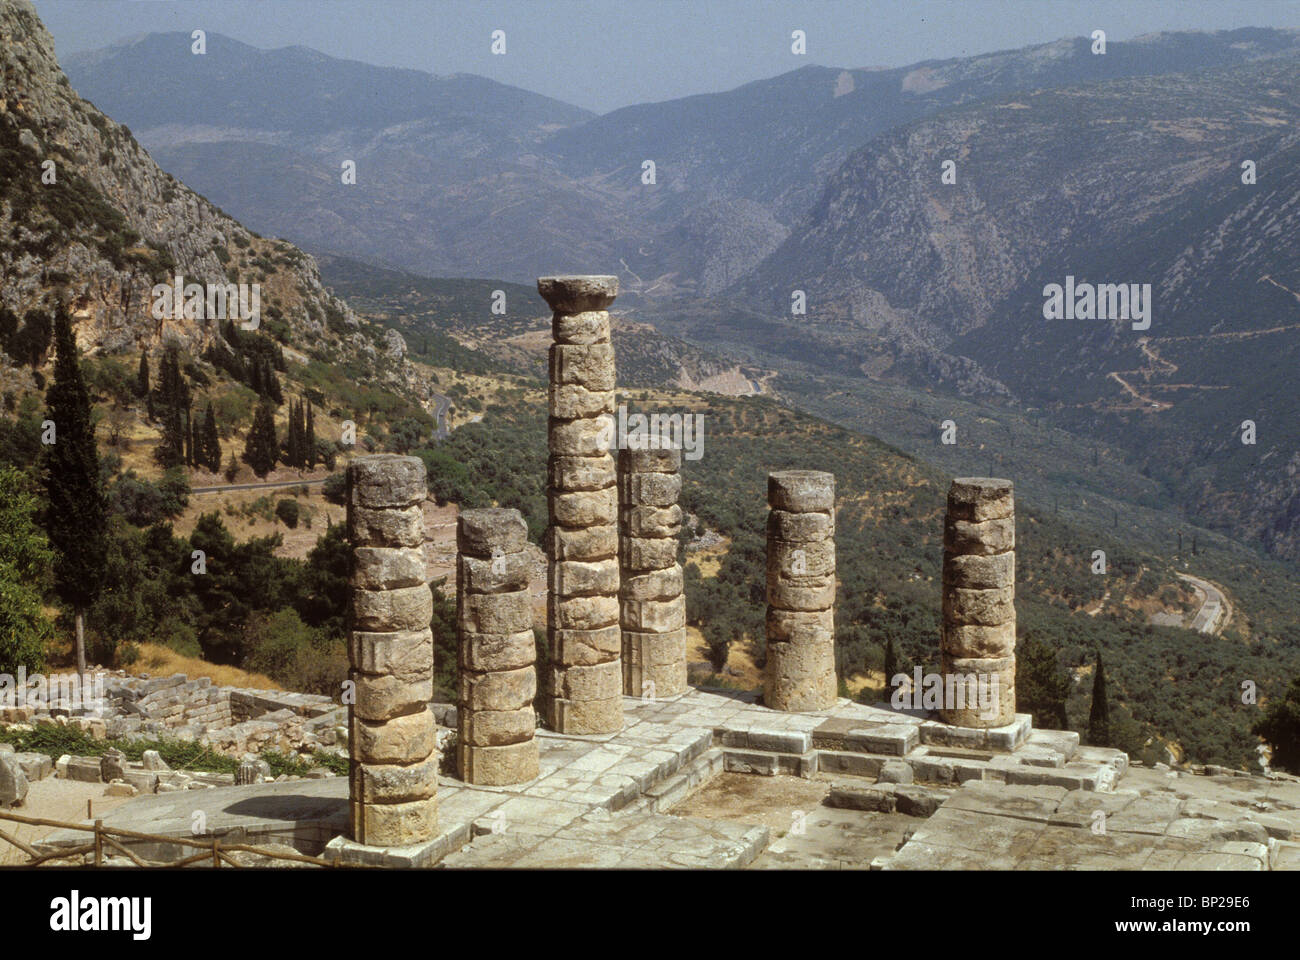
585,681
651,600
800,673
394,763
498,680
978,653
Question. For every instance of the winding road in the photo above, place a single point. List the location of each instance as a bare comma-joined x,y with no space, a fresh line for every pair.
1215,612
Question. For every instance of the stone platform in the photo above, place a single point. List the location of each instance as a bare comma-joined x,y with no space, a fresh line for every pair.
602,800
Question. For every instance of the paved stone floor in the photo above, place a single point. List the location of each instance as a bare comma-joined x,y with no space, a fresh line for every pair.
1005,799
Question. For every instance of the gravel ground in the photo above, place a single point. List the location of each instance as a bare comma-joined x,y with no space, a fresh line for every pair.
55,800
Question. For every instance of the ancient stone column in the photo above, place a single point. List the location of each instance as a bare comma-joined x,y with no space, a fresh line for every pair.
498,680
584,685
394,762
800,673
977,656
652,605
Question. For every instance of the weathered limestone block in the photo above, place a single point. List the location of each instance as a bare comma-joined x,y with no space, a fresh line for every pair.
975,572
985,691
654,616
586,647
590,543
800,626
584,437
387,568
584,508
799,527
574,578
665,584
982,539
397,783
976,499
380,611
496,612
640,555
570,401
590,326
652,522
498,680
977,646
600,681
582,473
501,765
800,677
587,715
409,738
392,740
583,365
655,649
488,533
582,546
494,728
506,573
655,681
799,674
582,613
578,293
408,654
386,528
801,491
395,824
985,608
386,481
652,489
385,696
499,690
972,641
489,652
806,594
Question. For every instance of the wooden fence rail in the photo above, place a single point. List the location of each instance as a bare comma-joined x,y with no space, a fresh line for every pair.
212,850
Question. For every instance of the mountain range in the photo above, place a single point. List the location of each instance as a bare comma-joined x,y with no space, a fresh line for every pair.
1123,167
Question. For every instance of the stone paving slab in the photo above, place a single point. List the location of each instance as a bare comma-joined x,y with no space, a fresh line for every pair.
1045,827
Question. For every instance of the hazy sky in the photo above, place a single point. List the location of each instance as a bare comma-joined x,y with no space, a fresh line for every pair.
604,54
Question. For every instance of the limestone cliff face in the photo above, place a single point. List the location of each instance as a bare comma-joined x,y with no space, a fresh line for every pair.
112,224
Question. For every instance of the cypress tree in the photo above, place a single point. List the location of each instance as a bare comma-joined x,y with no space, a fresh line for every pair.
273,385
261,449
1099,715
891,663
76,516
311,439
211,442
142,376
295,458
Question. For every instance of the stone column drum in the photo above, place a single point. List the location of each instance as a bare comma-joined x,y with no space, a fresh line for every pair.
651,599
979,602
394,763
584,684
498,680
800,672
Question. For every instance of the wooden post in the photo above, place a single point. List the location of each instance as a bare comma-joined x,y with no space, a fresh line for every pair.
99,843
216,855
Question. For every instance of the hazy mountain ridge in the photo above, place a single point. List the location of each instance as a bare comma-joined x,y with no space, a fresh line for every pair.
112,224
735,171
